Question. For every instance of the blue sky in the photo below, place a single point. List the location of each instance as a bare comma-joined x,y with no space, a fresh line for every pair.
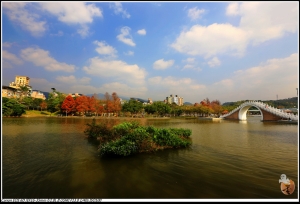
227,51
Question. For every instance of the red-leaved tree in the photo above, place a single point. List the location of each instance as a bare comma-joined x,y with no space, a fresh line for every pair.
92,104
43,105
68,105
116,103
82,104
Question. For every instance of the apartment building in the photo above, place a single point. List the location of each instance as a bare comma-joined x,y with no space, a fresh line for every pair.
174,99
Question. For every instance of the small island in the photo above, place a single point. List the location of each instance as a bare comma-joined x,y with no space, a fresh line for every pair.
128,138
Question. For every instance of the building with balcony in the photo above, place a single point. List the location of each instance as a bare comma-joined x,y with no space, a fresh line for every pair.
20,81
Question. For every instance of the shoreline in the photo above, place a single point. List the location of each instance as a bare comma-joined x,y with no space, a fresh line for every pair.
112,117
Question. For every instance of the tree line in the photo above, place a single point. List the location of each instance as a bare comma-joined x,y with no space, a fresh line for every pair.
110,105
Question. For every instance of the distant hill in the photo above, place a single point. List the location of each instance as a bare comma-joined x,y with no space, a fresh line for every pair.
102,96
187,103
141,100
45,93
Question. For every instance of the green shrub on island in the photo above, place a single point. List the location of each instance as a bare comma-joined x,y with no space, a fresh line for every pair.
181,131
120,147
102,131
124,128
128,138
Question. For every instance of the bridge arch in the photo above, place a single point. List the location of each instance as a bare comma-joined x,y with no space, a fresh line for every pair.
242,115
268,113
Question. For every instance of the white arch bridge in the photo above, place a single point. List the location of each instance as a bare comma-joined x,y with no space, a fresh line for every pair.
268,113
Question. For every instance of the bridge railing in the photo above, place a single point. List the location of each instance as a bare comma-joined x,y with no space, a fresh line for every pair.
276,111
265,107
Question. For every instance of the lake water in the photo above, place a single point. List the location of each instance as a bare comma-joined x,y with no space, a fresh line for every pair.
50,157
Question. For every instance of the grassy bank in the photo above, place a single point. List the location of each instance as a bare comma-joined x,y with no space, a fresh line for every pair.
128,138
36,113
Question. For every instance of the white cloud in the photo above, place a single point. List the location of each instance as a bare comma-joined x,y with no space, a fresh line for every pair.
189,60
59,33
209,41
105,49
29,21
72,12
264,82
43,84
124,89
10,58
129,53
6,65
125,36
266,20
118,9
259,22
84,80
232,9
7,44
161,64
42,58
116,70
188,66
214,62
195,13
176,86
261,82
83,89
83,31
73,80
192,67
77,87
141,32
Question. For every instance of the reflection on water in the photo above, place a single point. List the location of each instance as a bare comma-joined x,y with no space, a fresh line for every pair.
52,158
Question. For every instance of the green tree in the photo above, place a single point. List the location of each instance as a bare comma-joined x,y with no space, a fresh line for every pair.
161,108
55,101
36,103
24,92
150,109
27,101
6,106
132,106
11,107
178,111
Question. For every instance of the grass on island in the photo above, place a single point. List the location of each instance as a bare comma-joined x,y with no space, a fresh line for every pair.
128,138
36,113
